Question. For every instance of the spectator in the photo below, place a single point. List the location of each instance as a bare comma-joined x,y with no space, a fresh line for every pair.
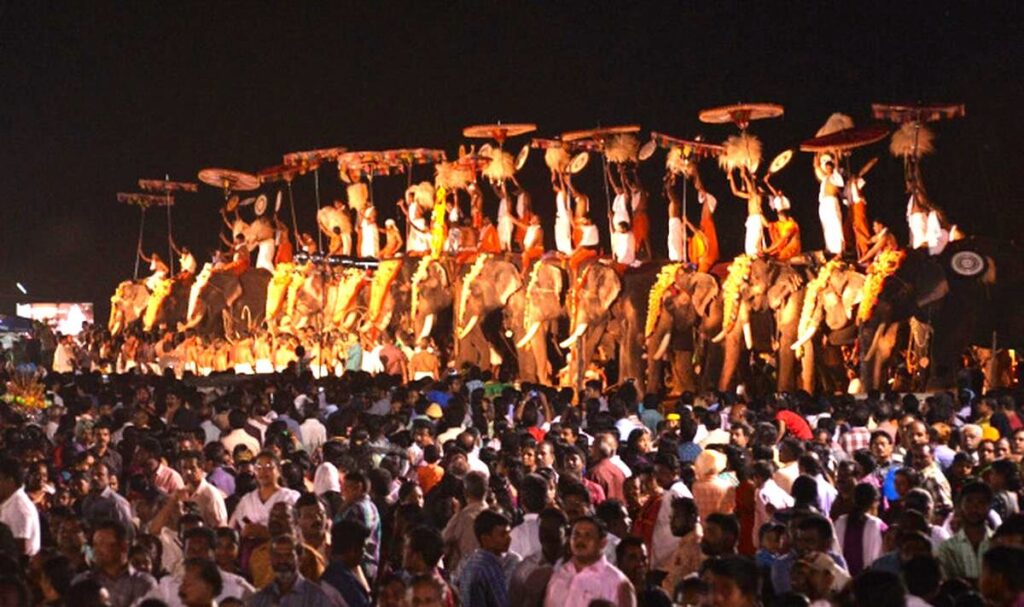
482,582
110,568
289,586
16,509
587,575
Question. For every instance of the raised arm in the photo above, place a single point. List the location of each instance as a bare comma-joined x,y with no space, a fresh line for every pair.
735,190
610,176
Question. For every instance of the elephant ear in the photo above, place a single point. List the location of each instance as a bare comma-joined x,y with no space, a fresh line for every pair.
703,291
442,275
608,286
930,283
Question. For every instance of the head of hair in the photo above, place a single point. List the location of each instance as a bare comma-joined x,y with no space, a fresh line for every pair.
475,485
1007,562
347,535
923,576
487,521
533,493
741,570
602,530
805,490
879,589
427,542
976,488
208,572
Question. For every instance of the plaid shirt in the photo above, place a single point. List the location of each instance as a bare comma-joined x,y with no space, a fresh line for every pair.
855,438
482,581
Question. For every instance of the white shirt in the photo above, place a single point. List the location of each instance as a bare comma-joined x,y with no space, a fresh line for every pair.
570,587
369,243
20,514
63,357
620,210
257,511
314,434
240,437
526,536
532,237
211,504
663,542
166,590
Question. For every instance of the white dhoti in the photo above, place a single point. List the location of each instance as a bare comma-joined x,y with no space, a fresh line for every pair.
675,239
244,369
938,236
265,255
831,223
620,210
563,224
753,241
264,366
505,225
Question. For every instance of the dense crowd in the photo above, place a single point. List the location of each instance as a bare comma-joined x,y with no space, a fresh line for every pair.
475,490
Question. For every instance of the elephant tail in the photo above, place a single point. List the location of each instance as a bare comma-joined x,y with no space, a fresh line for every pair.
246,316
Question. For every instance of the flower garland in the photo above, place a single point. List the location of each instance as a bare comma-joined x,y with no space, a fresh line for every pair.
438,224
348,287
739,274
381,283
417,277
474,271
157,297
814,288
666,277
885,265
531,286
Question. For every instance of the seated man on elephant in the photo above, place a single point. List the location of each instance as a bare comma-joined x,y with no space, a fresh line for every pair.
587,247
784,232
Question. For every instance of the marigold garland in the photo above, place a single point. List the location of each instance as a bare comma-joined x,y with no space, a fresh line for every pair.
474,271
739,273
417,278
814,288
666,277
159,294
438,224
885,265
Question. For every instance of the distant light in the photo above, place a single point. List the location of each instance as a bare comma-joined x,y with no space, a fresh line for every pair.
22,288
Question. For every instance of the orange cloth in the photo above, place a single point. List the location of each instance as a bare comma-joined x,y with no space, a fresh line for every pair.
641,226
861,231
579,257
284,253
429,475
528,256
781,229
707,227
489,242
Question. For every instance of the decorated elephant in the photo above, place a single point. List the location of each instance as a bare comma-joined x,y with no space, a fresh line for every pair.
127,305
295,296
596,288
680,315
827,322
486,288
761,304
225,302
968,295
430,300
168,304
538,309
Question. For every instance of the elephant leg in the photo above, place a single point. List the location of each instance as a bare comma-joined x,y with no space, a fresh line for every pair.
807,366
789,318
539,349
733,354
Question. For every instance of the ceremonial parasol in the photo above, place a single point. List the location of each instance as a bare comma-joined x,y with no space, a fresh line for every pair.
599,134
690,147
498,131
311,160
846,139
919,112
740,114
229,180
166,186
280,172
144,201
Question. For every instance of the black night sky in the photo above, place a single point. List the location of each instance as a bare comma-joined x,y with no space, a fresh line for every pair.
96,95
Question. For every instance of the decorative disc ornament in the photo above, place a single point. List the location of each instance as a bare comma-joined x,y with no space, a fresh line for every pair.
521,157
647,150
260,206
579,162
967,263
780,162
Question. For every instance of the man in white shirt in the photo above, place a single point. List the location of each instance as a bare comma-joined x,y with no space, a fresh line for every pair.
238,436
588,575
533,494
16,509
623,245
199,543
208,498
663,541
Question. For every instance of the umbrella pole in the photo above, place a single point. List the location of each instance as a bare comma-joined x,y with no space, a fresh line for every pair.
170,233
142,223
608,196
686,234
291,204
316,185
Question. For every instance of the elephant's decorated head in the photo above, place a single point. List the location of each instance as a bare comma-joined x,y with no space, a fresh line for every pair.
155,302
543,301
487,286
277,289
431,294
678,299
832,296
590,299
126,305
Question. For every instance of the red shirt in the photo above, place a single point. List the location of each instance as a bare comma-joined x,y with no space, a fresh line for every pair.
795,424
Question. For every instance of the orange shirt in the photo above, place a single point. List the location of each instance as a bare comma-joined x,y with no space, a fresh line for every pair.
781,229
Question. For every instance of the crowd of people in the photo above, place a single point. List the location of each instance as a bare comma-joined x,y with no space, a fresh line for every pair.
475,490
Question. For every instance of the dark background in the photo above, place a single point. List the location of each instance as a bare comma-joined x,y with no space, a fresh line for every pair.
95,96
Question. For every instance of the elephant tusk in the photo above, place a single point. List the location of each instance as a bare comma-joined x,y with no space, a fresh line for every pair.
660,353
747,336
428,326
530,333
718,338
569,341
464,331
804,338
